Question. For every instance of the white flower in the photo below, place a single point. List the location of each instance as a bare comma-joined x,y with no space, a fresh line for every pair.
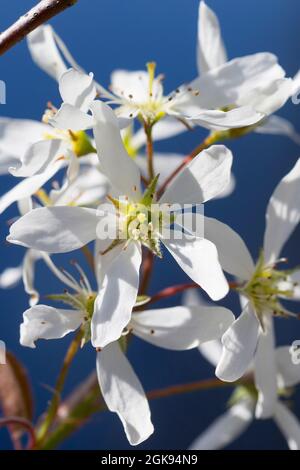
141,93
40,151
88,188
263,85
228,427
17,135
62,229
178,328
251,336
78,91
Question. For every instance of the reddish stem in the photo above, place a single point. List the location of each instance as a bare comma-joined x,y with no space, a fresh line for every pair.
204,145
168,292
147,268
24,423
205,384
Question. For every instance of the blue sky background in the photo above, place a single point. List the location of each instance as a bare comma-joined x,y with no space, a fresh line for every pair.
104,35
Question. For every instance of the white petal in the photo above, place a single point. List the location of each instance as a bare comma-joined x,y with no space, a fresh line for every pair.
225,429
211,49
212,351
288,373
29,186
10,277
123,393
167,127
221,120
88,189
44,51
116,297
229,188
68,117
233,254
288,425
192,298
106,232
276,125
205,177
55,229
16,137
269,97
296,80
6,161
239,346
164,164
38,157
51,54
77,89
265,371
120,169
199,260
229,83
283,213
28,274
181,328
43,322
134,86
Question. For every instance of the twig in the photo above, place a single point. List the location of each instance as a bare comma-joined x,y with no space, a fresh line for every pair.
205,384
38,15
170,291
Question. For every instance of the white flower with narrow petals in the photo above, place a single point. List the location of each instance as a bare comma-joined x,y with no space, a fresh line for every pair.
177,328
63,229
45,150
241,413
261,287
255,80
141,94
88,188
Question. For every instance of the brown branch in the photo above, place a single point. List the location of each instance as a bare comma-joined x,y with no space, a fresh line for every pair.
147,268
204,384
42,12
172,290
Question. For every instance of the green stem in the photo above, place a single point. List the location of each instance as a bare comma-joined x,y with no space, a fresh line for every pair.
78,416
54,404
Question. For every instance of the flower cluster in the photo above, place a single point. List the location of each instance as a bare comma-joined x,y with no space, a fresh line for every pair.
113,197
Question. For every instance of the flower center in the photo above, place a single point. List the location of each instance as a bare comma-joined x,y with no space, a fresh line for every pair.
267,286
142,221
148,97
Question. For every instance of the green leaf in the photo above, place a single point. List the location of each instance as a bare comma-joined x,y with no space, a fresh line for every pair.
149,193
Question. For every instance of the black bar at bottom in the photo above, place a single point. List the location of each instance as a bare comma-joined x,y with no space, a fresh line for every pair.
135,458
